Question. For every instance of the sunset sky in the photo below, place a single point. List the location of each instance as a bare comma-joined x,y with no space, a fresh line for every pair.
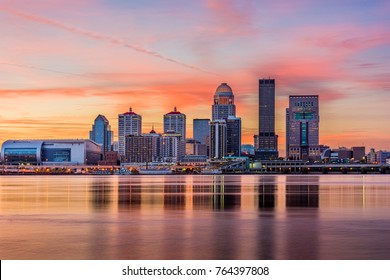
63,62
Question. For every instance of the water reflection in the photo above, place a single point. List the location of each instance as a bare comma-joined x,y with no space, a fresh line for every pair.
267,193
100,193
195,217
301,193
129,196
174,193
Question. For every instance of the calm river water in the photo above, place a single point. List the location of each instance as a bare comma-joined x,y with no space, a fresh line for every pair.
195,217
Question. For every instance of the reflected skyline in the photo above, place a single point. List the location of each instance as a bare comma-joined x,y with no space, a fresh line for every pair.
269,192
195,217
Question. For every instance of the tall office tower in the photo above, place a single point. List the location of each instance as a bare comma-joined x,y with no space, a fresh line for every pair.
233,136
266,142
175,122
129,123
223,103
302,127
101,133
218,139
201,130
224,109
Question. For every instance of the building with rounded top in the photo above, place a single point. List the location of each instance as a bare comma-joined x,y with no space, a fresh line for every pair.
223,106
225,127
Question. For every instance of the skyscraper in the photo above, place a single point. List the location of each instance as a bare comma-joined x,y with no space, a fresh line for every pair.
233,136
266,142
217,139
224,109
223,103
302,127
129,123
175,122
201,130
101,133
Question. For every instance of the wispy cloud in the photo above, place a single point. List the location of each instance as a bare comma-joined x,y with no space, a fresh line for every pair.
97,36
231,18
32,67
69,92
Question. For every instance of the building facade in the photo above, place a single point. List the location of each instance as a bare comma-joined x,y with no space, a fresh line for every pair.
111,158
173,148
175,122
233,136
382,157
223,106
129,123
194,147
359,153
101,133
302,127
344,154
218,139
67,152
144,148
225,124
266,141
140,148
201,130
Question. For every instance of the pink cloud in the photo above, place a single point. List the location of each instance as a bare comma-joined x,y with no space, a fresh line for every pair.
347,37
96,36
223,22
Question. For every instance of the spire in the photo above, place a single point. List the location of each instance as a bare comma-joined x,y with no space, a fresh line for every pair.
152,131
174,109
131,109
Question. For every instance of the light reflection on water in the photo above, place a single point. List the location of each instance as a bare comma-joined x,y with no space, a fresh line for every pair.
195,217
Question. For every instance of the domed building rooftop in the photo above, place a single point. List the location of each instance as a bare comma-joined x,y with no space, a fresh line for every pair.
224,89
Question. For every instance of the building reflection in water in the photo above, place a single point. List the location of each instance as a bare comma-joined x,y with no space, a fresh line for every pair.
266,192
226,195
202,189
302,191
212,192
101,192
129,195
302,233
265,228
223,234
219,217
174,189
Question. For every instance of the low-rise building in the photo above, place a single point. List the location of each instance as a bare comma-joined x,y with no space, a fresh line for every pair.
51,152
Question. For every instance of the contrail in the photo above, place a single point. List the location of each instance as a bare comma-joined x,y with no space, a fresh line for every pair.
50,70
38,68
96,36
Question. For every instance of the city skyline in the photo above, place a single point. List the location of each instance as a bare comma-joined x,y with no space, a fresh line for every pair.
61,65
